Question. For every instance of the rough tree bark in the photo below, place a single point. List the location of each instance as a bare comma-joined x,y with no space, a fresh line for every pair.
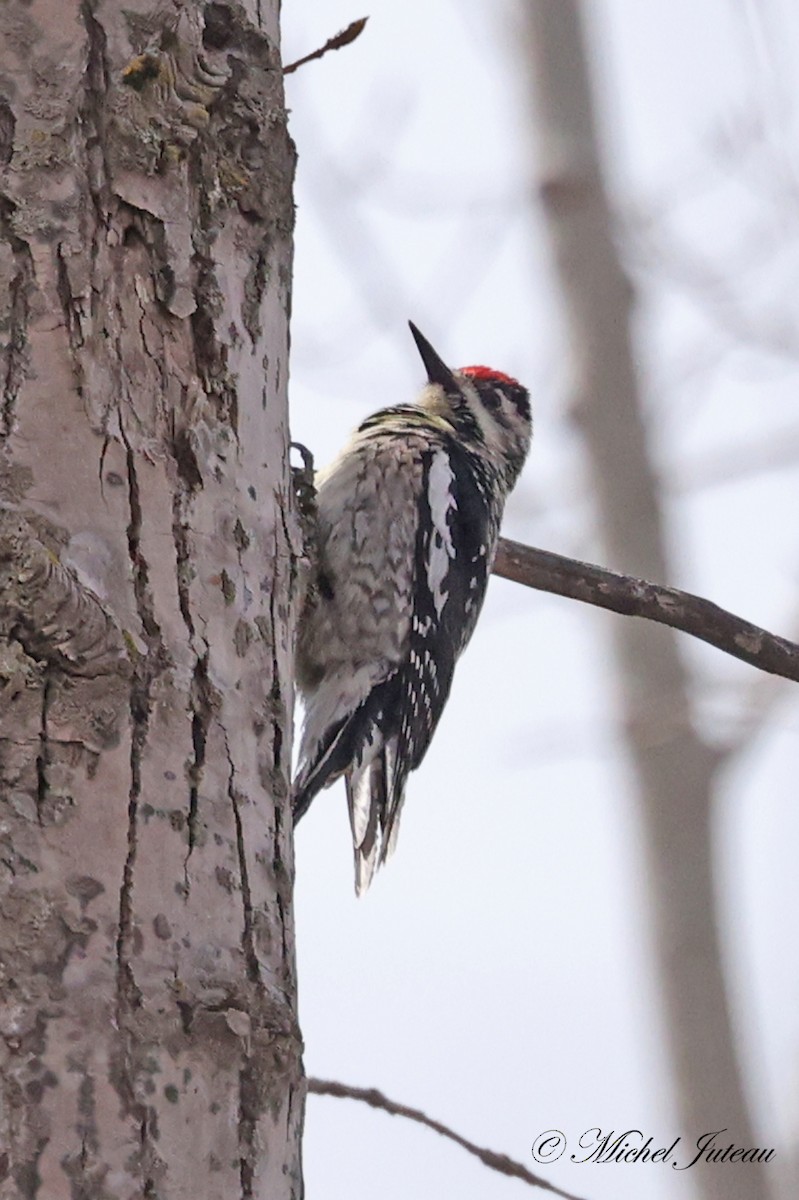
148,551
675,769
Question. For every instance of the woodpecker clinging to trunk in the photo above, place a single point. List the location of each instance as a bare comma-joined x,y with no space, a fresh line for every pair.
408,521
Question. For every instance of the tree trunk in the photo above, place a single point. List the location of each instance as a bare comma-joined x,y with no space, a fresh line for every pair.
675,770
148,549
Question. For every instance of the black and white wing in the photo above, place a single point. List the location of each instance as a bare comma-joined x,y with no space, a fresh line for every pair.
455,544
383,732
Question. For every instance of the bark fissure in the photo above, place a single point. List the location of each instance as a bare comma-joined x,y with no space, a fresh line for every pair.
254,287
96,87
8,125
71,321
43,757
189,474
141,571
247,937
19,289
204,703
299,502
247,1125
210,355
279,720
248,1107
282,882
129,996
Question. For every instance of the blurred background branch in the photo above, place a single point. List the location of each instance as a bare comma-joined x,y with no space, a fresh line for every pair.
674,766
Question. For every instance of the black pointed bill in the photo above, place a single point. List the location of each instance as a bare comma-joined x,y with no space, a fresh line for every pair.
437,370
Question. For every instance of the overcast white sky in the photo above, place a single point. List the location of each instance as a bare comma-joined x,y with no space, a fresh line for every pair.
497,974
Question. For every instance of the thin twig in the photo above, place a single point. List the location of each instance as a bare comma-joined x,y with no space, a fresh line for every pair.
335,43
376,1099
632,597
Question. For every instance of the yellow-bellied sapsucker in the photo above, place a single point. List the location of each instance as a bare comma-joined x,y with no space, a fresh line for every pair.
408,518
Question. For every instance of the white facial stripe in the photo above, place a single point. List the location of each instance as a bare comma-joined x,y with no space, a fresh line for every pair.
442,501
492,432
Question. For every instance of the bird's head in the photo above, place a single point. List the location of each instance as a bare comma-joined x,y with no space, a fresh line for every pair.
488,410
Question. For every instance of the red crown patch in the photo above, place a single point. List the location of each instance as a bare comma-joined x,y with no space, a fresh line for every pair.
488,374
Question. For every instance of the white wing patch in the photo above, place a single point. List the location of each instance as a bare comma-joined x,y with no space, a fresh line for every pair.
360,787
441,499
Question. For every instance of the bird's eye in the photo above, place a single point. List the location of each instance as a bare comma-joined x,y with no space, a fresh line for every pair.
491,400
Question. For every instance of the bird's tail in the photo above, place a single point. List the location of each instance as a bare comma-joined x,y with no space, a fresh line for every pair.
361,748
357,747
375,792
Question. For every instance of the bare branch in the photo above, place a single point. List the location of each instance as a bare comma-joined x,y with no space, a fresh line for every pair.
353,30
376,1099
757,706
632,597
45,608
